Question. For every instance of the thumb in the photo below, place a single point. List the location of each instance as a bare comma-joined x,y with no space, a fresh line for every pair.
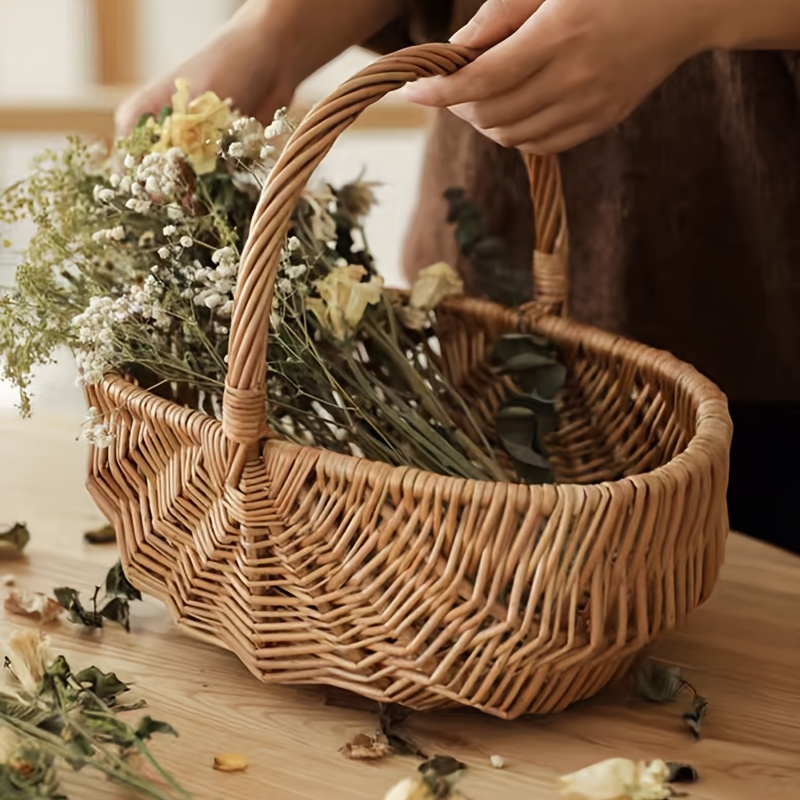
495,21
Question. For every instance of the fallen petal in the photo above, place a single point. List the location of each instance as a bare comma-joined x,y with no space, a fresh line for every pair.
230,762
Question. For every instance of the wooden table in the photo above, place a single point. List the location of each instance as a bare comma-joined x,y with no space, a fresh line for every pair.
742,651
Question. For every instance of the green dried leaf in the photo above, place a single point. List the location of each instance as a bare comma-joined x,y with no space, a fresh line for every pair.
659,683
522,433
104,535
117,610
106,685
13,542
695,718
165,112
513,345
117,585
147,727
70,599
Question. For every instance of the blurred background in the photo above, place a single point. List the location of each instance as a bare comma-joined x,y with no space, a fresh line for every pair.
66,64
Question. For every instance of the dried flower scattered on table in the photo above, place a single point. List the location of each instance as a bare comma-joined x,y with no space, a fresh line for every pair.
230,762
618,779
26,654
34,605
363,747
497,762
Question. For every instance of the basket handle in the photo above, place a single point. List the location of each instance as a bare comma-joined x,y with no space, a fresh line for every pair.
244,402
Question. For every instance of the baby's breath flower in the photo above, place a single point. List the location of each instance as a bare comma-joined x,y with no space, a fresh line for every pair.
236,150
164,252
186,241
170,230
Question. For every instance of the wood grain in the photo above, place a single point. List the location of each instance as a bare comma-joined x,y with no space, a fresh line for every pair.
741,650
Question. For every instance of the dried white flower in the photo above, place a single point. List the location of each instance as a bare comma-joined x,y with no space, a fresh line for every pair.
497,762
618,779
26,651
186,241
130,161
236,150
280,126
170,230
96,431
117,234
164,252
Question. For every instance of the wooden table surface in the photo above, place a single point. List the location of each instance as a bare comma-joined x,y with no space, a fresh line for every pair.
742,651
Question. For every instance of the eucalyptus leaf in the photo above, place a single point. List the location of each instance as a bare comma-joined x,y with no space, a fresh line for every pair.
513,345
117,584
117,610
106,685
147,727
70,599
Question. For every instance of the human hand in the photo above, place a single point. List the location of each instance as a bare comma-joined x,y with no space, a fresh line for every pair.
559,72
242,63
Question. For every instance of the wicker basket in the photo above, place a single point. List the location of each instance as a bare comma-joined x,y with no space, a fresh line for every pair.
410,587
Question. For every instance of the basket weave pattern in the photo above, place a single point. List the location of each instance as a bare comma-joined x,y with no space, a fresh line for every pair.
406,586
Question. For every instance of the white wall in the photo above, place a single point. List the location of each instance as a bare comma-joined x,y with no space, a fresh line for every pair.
43,47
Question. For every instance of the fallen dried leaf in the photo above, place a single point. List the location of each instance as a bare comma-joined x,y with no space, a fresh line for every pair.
659,683
681,773
367,748
230,762
392,722
104,535
13,541
34,605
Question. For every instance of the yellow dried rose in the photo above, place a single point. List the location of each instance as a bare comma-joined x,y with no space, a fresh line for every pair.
196,127
618,779
344,297
434,284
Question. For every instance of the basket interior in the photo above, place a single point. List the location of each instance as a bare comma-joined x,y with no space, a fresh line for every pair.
619,415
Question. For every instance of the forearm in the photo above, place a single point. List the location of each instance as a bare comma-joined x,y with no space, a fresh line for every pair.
312,32
757,24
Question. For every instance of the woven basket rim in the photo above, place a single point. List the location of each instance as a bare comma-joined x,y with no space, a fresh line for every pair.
713,424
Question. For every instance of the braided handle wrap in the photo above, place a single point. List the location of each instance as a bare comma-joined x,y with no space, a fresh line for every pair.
244,403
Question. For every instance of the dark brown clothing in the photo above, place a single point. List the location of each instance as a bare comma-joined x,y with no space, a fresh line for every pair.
684,221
